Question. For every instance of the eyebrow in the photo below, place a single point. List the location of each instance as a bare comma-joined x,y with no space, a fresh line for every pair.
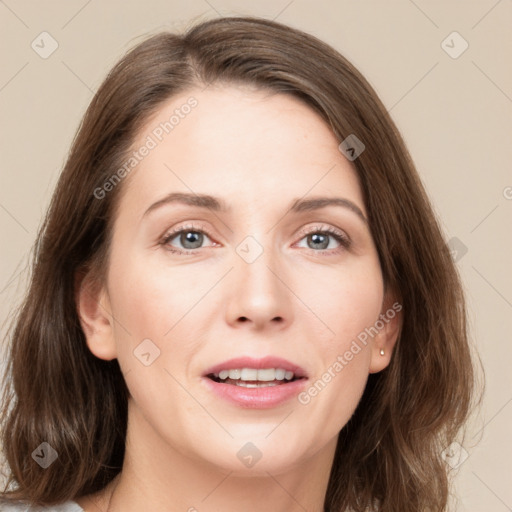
218,205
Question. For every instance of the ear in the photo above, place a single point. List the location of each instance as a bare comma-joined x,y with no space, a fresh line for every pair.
94,311
388,326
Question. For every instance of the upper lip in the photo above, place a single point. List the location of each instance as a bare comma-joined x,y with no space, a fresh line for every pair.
259,364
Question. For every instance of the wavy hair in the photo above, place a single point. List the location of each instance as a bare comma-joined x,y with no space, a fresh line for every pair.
389,455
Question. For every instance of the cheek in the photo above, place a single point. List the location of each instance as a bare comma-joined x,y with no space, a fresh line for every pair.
349,305
155,343
346,302
154,302
150,298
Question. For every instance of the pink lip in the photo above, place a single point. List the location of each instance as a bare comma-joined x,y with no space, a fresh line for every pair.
259,364
256,398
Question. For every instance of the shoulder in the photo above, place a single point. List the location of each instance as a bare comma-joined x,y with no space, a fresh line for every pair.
68,506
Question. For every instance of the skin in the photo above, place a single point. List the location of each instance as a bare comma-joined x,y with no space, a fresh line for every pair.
257,152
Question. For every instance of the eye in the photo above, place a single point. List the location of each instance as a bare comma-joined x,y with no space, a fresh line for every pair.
320,236
191,237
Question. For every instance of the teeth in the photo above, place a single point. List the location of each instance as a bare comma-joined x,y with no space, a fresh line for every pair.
267,375
253,374
249,374
280,374
251,385
235,374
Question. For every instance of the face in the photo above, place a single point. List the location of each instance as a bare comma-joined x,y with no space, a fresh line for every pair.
253,273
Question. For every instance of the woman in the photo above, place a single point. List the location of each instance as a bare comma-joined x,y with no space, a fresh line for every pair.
241,298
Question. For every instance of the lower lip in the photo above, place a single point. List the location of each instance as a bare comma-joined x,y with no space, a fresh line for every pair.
256,398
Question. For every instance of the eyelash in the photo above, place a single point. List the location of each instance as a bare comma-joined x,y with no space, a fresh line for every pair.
340,237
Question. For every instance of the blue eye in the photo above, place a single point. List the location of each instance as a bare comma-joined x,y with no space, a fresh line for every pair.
192,238
321,238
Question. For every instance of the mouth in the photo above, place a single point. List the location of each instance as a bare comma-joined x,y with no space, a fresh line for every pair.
256,383
249,370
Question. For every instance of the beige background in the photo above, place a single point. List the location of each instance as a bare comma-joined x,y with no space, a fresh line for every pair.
455,115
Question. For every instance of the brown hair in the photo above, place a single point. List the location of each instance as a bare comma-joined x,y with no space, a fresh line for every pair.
389,455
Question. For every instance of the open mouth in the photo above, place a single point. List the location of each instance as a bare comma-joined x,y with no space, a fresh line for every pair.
253,378
256,383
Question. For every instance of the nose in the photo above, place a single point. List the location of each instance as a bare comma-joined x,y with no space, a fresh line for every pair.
258,294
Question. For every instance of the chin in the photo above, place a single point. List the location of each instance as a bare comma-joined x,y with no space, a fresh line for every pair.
256,457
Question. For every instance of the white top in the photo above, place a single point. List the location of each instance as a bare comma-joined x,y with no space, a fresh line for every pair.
69,506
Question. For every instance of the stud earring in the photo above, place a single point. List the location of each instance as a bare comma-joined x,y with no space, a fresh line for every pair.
381,351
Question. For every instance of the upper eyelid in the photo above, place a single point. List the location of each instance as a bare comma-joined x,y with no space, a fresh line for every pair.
324,227
169,235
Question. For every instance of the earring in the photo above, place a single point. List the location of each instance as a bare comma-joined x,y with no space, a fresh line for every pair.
381,351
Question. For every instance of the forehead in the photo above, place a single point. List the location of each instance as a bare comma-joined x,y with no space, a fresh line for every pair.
241,143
